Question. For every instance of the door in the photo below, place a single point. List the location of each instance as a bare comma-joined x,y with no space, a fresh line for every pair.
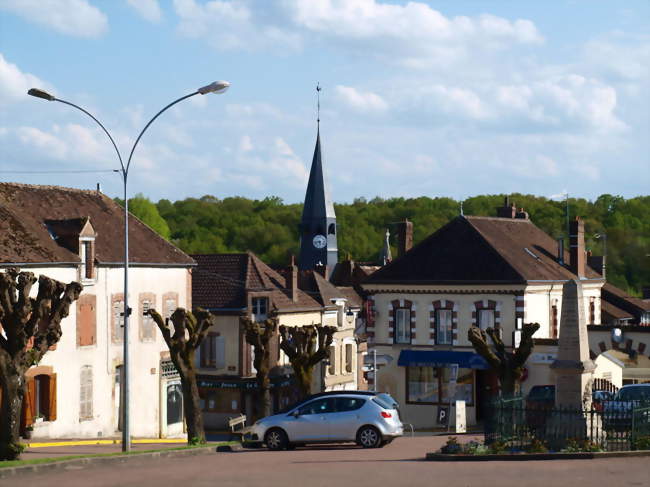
118,398
312,421
345,421
174,404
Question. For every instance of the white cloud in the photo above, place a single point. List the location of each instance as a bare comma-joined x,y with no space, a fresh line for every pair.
14,83
361,101
71,17
148,9
245,143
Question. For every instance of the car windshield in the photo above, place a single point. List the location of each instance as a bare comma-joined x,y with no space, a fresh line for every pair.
633,394
542,392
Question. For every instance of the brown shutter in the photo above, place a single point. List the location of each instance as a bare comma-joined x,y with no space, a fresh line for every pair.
52,405
28,403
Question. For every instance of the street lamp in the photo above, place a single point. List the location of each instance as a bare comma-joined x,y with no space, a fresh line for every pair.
603,236
215,87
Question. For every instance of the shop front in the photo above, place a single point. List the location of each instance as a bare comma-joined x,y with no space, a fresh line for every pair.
436,379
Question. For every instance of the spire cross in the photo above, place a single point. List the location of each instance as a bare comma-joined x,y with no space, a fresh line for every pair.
318,90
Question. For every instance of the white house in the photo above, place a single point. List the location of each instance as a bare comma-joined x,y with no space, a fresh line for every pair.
77,235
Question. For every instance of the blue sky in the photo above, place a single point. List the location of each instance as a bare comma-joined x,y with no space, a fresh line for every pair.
450,98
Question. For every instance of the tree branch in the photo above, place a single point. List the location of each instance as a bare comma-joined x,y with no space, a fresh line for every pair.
478,338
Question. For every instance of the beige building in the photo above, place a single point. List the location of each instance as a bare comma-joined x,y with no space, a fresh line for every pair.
75,235
235,285
475,271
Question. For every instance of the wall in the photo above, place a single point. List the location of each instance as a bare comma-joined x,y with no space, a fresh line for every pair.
103,356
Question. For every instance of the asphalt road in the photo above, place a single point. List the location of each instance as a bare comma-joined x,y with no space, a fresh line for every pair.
400,463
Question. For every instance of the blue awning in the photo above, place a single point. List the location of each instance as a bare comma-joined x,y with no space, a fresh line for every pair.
441,358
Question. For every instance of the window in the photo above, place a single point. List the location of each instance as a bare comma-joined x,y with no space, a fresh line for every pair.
592,311
554,323
40,399
260,308
402,325
170,307
86,393
147,325
332,359
319,406
430,385
443,326
213,351
348,357
88,259
220,401
344,404
486,319
86,320
332,229
118,321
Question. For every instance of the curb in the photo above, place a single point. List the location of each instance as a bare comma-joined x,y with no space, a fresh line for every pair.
9,472
443,457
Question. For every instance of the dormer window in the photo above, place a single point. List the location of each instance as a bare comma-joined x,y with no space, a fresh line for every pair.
260,307
87,255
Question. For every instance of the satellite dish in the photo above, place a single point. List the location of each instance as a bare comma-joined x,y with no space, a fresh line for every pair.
617,335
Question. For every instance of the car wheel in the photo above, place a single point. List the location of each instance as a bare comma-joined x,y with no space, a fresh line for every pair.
276,439
369,437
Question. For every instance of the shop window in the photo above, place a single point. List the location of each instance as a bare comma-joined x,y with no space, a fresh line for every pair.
402,325
220,400
430,385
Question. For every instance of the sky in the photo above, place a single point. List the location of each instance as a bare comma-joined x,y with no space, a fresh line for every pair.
423,98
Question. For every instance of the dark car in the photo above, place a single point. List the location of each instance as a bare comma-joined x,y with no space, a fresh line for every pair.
539,401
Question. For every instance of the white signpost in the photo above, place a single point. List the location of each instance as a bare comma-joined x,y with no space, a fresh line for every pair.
461,417
453,377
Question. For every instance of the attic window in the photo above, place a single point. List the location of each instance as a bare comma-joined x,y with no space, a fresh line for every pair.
87,255
531,253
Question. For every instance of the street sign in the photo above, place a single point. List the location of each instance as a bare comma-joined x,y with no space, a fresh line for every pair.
381,360
443,415
461,417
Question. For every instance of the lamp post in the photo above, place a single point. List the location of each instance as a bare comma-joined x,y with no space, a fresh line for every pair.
603,236
215,87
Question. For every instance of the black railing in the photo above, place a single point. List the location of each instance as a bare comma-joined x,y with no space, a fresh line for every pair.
517,425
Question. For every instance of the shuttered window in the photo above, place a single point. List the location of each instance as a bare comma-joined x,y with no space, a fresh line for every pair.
86,393
147,325
209,351
118,321
86,320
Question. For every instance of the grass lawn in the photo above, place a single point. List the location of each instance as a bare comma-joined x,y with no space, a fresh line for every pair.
34,461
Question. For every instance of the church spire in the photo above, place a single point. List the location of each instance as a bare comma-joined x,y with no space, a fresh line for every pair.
318,243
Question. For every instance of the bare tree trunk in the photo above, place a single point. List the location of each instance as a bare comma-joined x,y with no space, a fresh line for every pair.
13,392
192,405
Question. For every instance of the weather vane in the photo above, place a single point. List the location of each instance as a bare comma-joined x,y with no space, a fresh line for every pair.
318,90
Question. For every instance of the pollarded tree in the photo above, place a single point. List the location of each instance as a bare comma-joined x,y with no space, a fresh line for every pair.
305,346
190,329
259,336
507,365
31,326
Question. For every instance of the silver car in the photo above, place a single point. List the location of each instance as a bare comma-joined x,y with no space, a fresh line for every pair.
369,419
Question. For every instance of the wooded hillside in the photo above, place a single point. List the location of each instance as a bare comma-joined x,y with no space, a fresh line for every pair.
269,227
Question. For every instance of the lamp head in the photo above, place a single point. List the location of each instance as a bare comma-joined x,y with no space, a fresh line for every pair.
41,94
216,87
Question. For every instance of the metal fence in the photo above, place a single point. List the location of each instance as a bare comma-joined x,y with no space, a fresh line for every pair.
518,426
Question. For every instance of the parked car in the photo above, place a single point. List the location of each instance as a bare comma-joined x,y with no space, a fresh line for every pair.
598,398
367,418
539,401
617,413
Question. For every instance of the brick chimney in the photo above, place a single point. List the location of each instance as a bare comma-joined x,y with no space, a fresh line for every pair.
507,210
577,246
521,214
292,280
404,237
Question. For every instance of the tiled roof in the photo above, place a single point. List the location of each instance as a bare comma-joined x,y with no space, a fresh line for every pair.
480,250
621,299
223,281
24,236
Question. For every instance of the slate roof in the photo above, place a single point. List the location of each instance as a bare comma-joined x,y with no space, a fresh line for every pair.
26,209
474,249
223,281
318,203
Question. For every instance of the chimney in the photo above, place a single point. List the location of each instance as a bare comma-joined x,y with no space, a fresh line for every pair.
507,210
404,237
292,280
99,188
577,246
521,214
560,251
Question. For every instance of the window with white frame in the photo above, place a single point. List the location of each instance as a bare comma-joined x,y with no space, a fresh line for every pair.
260,308
485,318
443,326
332,359
86,393
348,357
148,326
402,332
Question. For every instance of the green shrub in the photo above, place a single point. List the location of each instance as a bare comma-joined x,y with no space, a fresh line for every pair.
537,446
581,445
498,446
641,443
452,446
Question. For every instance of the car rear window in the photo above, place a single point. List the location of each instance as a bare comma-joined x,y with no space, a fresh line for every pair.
385,401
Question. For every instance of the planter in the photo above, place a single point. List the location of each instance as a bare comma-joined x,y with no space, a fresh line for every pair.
442,457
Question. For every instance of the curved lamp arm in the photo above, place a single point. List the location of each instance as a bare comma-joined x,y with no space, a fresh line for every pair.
46,96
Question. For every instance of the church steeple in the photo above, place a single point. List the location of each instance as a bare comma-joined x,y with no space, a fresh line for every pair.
318,245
